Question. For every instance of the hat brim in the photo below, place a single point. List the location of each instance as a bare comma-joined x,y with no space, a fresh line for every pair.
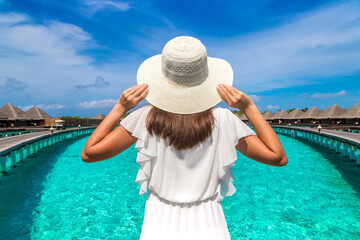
180,99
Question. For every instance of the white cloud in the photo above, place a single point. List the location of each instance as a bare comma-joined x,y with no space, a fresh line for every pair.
48,57
106,103
12,18
272,107
321,43
255,98
43,107
99,82
56,42
328,95
98,5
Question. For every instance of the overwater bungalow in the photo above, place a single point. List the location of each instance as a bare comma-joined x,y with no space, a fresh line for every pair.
99,116
268,116
37,116
295,116
331,115
310,116
15,116
352,115
244,118
280,117
3,117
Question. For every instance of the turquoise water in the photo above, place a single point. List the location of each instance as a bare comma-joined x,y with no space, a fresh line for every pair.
55,195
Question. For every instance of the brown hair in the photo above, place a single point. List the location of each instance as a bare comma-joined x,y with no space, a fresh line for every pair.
183,130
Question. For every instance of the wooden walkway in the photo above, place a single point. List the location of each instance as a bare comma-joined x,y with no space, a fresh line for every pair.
351,137
8,144
345,143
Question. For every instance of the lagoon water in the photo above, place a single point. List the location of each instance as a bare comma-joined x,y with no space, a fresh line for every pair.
55,195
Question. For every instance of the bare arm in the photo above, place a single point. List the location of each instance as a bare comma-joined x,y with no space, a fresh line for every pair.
105,142
266,146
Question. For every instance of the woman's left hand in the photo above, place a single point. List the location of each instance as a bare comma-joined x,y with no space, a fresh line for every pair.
132,96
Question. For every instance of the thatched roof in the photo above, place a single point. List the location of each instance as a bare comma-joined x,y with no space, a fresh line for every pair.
13,112
353,112
99,116
333,111
243,117
36,113
282,114
3,116
268,115
295,114
313,112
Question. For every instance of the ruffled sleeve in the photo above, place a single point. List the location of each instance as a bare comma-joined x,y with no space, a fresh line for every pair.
231,129
146,145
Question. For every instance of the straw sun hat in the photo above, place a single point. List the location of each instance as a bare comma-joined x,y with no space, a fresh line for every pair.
183,78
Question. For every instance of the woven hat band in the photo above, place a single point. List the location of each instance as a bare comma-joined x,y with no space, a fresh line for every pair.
185,73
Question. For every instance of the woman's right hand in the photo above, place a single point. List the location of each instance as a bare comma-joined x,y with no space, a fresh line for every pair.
233,97
132,96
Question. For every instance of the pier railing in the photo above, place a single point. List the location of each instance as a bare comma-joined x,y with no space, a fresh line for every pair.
346,144
15,149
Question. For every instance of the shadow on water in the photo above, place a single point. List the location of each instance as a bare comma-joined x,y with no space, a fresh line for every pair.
21,190
348,168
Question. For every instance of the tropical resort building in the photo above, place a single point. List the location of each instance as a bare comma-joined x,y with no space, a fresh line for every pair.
14,116
99,116
280,116
351,116
311,115
37,116
333,115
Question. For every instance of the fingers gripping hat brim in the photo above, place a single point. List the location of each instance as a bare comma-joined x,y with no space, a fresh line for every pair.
179,99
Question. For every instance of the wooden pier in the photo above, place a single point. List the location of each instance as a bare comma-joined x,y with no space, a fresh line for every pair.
17,148
345,143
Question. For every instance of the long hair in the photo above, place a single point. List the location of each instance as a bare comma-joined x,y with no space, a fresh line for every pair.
182,130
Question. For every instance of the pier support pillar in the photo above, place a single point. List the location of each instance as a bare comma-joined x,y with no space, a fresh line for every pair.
357,155
342,149
36,145
28,153
336,146
3,160
352,152
21,154
328,143
322,141
346,150
331,144
13,159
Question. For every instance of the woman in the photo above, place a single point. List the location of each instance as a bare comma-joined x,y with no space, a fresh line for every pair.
186,146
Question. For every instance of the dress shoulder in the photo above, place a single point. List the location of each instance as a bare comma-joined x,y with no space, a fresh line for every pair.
146,145
132,120
231,129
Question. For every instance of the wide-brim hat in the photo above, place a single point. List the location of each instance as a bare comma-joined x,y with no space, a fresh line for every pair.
183,79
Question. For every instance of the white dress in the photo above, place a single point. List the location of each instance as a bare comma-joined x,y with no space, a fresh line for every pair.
187,186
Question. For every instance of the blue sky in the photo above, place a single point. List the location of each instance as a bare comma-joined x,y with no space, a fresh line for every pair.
77,57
